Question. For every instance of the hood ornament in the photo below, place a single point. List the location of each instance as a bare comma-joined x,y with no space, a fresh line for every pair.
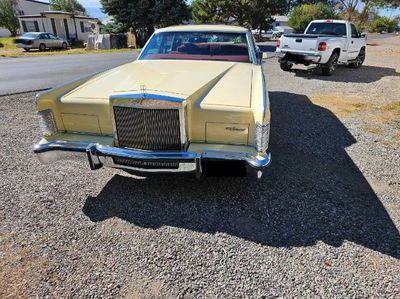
143,90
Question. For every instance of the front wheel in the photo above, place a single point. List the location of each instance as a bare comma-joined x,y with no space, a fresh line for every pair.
27,49
286,66
329,68
64,46
359,60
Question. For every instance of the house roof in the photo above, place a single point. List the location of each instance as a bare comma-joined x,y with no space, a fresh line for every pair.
44,13
223,28
36,1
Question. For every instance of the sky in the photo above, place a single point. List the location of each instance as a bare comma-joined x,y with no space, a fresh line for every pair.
96,4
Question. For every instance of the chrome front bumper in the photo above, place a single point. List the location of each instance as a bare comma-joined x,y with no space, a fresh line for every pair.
102,155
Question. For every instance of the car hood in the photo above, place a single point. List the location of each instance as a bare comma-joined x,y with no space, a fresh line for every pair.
211,82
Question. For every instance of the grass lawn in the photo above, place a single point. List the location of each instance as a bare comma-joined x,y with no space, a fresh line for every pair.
8,49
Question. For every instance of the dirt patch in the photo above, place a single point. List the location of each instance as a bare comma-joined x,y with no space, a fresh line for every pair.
339,104
382,121
389,47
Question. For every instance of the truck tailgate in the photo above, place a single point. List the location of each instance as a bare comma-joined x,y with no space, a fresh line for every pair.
299,42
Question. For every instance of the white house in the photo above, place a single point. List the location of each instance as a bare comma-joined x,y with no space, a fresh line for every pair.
36,16
27,7
280,21
66,25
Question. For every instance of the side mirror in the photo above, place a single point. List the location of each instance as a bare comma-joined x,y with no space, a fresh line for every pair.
363,35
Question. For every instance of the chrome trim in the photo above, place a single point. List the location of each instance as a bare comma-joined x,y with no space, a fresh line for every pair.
251,47
100,155
264,92
147,96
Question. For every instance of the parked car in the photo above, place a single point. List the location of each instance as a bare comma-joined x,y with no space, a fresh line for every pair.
273,33
278,31
194,101
324,43
40,41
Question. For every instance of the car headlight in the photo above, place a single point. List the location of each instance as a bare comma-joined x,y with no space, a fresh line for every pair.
47,123
262,137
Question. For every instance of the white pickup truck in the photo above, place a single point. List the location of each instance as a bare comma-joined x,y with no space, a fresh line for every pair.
325,43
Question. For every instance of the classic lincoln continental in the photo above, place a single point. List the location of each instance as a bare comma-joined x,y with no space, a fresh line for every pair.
194,101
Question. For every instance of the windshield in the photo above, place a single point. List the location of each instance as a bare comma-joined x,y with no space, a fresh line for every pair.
338,29
197,46
30,35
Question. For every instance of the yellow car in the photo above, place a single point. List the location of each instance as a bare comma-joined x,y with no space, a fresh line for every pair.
194,101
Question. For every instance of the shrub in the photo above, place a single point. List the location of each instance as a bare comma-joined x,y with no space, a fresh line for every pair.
380,24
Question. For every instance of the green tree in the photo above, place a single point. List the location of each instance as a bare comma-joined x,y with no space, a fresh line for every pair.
8,17
293,3
67,5
380,23
250,13
145,15
113,28
300,16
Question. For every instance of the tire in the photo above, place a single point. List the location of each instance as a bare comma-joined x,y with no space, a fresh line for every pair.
64,46
286,66
42,47
359,60
273,36
329,68
27,49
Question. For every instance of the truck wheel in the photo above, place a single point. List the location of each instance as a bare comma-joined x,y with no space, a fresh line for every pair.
286,66
330,66
359,60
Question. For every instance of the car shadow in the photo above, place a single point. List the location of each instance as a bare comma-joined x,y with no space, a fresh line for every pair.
365,74
311,192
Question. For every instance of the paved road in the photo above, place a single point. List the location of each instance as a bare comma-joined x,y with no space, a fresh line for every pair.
33,73
380,36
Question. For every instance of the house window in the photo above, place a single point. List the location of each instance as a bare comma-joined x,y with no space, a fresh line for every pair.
21,12
53,25
30,26
82,27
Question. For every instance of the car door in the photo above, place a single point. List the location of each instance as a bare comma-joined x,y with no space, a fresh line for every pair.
43,39
355,44
55,42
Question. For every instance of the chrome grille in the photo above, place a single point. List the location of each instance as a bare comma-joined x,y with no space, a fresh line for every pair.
148,128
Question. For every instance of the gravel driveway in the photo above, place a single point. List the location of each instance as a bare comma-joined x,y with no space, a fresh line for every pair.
324,222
